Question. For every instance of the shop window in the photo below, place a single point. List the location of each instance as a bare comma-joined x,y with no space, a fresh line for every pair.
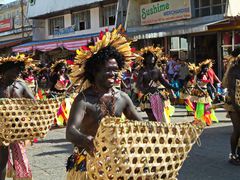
196,2
237,38
209,7
227,38
204,3
179,46
216,2
108,15
81,20
217,10
205,11
55,24
230,41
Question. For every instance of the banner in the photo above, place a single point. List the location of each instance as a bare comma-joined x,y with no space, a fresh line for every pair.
165,11
232,8
6,25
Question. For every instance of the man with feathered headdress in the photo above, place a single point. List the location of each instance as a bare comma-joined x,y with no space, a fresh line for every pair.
14,87
155,100
95,69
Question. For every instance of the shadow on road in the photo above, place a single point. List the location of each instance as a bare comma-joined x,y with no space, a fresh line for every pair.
54,141
210,160
48,153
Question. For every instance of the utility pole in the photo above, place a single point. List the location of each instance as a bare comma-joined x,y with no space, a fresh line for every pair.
22,18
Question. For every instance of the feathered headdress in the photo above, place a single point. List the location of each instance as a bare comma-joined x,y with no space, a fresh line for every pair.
164,59
157,51
115,39
193,68
16,59
54,65
207,62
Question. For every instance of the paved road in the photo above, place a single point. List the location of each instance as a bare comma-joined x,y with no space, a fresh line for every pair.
207,162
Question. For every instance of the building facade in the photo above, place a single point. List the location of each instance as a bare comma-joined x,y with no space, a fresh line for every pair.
15,28
59,28
192,29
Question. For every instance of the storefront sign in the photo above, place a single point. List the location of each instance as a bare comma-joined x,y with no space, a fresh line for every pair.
6,25
164,11
66,30
232,8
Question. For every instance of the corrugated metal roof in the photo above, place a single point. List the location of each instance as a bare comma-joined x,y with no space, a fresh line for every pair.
174,28
42,7
58,39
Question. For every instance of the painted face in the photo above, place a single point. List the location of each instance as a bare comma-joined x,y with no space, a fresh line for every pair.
106,77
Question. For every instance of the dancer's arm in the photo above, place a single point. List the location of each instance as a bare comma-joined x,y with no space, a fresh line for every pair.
73,131
130,110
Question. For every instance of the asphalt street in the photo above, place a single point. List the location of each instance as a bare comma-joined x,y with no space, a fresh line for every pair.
206,162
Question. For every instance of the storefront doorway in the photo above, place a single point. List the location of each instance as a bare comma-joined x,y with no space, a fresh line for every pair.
205,47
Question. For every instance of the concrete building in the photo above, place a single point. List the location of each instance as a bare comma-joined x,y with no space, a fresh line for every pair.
60,27
193,29
15,28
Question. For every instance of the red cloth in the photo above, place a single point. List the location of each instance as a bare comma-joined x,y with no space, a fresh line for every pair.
157,106
20,163
211,74
205,79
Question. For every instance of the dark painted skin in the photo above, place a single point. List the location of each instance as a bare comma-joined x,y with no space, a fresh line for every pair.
86,113
233,75
11,88
147,74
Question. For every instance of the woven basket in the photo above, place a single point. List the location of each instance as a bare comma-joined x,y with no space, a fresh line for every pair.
237,92
26,119
140,150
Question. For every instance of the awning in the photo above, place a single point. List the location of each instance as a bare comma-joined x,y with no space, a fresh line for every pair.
13,42
70,43
149,32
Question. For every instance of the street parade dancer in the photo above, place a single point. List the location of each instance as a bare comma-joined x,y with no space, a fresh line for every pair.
96,67
188,86
202,101
43,82
14,87
155,100
231,81
60,83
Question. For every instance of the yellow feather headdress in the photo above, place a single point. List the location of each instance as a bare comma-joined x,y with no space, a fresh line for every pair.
116,38
19,58
52,68
207,62
157,51
193,68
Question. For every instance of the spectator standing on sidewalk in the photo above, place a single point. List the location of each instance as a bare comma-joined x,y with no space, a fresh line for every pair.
212,79
170,66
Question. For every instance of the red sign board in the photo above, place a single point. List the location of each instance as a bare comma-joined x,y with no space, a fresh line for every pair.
6,25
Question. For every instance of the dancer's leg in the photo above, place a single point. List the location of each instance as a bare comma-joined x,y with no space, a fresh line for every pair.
3,161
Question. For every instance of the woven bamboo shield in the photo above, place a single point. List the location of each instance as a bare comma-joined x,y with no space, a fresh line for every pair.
26,119
237,92
134,150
